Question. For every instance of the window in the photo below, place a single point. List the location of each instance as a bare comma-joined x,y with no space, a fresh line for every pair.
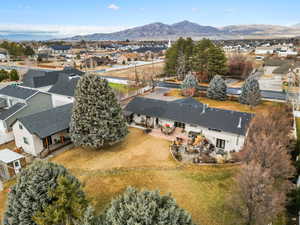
25,140
220,143
21,127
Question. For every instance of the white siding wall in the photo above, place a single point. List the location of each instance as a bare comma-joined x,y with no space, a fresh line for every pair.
59,100
232,141
5,135
34,146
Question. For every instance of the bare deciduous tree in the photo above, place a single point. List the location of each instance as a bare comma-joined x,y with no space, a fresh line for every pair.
254,199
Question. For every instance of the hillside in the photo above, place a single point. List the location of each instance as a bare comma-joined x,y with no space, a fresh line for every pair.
161,31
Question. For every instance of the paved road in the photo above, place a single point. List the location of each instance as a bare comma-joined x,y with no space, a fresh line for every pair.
275,95
21,68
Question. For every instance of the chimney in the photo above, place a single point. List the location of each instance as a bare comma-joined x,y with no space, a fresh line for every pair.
204,108
240,123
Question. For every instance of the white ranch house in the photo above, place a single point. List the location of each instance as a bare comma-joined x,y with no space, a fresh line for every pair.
223,128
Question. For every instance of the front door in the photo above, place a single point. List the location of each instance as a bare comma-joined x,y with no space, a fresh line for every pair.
47,142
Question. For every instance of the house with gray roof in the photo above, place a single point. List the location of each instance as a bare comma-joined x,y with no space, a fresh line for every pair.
40,133
63,91
224,128
44,80
17,101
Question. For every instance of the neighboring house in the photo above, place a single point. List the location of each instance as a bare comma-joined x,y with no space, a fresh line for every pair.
272,64
11,163
44,80
225,129
95,61
61,49
3,57
63,91
39,134
15,102
128,57
264,50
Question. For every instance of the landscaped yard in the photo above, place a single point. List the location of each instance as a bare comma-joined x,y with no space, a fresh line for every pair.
230,105
144,161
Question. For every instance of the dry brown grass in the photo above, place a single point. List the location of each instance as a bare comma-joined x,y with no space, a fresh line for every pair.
143,71
144,162
230,105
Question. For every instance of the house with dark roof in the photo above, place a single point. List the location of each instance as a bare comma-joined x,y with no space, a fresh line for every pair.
224,128
63,91
61,49
41,133
16,102
44,80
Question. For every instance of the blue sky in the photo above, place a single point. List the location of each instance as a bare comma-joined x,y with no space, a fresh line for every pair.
67,17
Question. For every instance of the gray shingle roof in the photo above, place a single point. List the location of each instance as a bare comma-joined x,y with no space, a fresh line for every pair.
65,86
17,92
8,112
191,112
48,122
37,78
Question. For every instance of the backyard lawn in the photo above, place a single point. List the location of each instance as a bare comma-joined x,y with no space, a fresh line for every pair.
144,161
229,105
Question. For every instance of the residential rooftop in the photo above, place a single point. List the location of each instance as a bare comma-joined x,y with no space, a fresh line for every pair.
48,122
17,92
191,112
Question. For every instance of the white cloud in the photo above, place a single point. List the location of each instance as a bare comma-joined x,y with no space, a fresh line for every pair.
56,30
113,7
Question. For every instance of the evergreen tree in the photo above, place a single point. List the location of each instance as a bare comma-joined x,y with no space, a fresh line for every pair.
250,92
217,89
14,75
67,207
216,62
189,85
3,75
89,217
181,45
146,207
30,194
200,56
97,119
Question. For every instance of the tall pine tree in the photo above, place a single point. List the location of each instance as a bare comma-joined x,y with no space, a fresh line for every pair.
216,62
97,119
67,207
217,89
250,92
30,194
145,207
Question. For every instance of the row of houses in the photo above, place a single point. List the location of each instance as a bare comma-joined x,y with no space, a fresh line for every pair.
37,114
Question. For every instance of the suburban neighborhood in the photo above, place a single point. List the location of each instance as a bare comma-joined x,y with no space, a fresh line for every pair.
167,123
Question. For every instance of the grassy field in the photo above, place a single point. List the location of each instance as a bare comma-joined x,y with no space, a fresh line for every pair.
143,71
230,105
122,87
144,162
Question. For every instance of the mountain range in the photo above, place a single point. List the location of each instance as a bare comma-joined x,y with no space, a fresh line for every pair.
161,31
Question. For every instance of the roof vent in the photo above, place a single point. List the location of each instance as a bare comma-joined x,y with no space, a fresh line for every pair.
240,123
